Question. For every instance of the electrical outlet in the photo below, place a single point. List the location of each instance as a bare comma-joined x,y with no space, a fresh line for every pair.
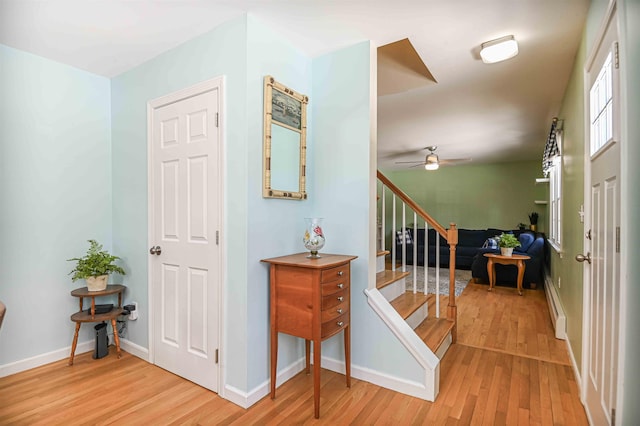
559,282
134,314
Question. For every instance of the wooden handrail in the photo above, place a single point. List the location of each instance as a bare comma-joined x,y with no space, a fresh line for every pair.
419,210
450,235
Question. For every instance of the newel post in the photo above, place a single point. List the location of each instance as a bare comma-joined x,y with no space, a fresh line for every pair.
452,309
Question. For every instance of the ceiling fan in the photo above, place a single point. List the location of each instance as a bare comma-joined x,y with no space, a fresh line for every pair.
432,162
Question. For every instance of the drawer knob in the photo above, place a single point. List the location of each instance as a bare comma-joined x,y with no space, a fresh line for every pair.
340,323
340,285
340,273
340,298
340,310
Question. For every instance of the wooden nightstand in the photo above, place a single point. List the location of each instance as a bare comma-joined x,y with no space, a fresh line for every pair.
310,298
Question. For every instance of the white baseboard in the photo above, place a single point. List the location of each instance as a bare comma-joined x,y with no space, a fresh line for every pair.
576,371
407,387
134,349
247,399
42,359
558,317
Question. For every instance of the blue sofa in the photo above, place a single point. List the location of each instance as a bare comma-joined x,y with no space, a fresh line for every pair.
470,242
531,245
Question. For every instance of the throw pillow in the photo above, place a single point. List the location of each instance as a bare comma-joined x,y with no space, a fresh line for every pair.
407,236
491,243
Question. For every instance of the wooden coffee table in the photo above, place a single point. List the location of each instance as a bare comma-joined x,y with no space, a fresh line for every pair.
516,259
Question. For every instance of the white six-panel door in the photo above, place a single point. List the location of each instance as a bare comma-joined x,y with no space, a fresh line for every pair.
602,298
185,218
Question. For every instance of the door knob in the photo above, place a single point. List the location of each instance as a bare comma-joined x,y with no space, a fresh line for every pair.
155,250
581,258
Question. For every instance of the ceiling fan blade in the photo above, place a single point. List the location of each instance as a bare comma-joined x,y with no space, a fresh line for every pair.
418,165
454,161
409,162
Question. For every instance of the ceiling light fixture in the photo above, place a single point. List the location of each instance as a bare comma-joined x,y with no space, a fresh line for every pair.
431,163
499,49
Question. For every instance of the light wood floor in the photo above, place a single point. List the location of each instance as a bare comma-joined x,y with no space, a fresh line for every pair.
506,369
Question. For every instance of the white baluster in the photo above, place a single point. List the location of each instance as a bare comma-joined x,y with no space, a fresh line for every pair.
415,253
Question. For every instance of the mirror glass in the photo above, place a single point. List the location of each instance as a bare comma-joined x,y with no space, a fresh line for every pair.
284,144
285,158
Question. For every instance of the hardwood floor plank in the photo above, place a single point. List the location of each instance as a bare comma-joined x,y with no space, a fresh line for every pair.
507,368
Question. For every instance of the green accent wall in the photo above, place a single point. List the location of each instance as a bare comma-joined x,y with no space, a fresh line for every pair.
499,195
563,266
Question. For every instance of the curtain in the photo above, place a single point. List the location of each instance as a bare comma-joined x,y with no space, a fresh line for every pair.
551,149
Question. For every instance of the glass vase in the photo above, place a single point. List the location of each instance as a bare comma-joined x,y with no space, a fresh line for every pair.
313,236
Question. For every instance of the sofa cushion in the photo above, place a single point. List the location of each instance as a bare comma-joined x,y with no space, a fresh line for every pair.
471,237
526,239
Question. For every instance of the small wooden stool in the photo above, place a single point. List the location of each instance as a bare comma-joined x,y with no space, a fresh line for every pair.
91,316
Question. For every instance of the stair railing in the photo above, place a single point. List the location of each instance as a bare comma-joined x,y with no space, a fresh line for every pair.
450,235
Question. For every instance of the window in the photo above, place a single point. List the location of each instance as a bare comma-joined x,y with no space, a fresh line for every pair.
555,202
601,107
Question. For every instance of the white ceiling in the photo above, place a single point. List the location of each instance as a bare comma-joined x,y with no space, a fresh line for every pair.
498,112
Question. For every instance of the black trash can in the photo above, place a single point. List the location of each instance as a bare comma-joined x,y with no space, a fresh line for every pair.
102,341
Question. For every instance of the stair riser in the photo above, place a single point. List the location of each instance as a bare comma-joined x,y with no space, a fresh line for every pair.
380,263
418,316
394,290
444,346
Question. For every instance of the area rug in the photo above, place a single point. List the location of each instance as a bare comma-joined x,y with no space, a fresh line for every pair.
462,279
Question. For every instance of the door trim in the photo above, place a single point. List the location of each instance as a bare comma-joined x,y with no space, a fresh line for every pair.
217,83
620,136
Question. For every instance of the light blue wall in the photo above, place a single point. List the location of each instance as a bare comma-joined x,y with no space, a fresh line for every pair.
55,193
275,227
219,52
340,171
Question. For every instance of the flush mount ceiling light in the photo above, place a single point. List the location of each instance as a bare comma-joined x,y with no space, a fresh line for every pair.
499,49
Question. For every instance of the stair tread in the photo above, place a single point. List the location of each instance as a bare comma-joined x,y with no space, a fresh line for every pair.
382,253
409,302
433,331
387,277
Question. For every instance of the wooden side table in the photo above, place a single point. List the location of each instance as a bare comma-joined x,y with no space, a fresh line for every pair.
310,298
516,259
91,316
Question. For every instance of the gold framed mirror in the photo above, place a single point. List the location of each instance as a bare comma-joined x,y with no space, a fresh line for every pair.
285,142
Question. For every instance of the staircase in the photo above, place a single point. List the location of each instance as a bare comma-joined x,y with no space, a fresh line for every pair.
428,336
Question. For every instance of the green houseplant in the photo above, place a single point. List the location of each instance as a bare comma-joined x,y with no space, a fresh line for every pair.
507,242
95,267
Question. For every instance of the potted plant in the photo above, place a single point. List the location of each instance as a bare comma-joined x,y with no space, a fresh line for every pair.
95,267
507,242
533,218
522,226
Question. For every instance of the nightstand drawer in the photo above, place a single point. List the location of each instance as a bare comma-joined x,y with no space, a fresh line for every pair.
335,311
339,272
334,286
333,326
335,299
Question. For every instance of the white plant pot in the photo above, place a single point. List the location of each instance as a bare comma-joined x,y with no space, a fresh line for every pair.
98,283
506,251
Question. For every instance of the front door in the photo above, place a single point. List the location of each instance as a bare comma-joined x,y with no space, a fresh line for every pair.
602,300
185,217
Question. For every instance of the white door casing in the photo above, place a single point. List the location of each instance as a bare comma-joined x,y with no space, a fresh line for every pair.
601,323
185,220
